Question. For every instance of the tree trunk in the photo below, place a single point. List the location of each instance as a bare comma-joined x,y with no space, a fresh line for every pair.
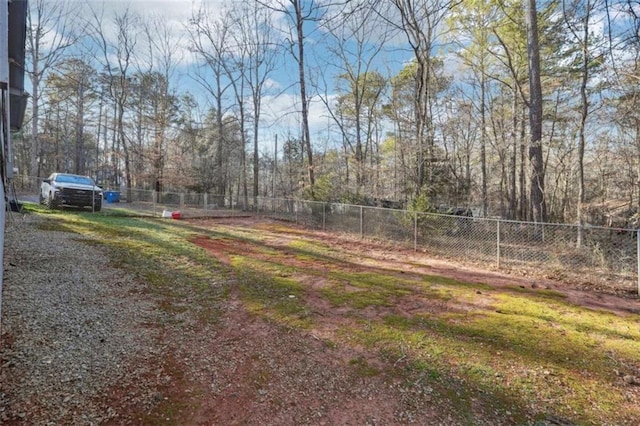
245,189
637,169
256,157
98,131
80,154
123,143
34,153
513,203
524,207
538,205
483,139
303,94
422,81
584,112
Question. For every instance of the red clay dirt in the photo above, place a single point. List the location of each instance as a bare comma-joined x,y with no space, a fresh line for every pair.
249,370
370,255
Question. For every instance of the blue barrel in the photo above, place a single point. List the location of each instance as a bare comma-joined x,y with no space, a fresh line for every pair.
112,196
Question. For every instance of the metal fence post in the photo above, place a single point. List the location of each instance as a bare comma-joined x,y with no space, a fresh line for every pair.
498,243
324,214
361,222
154,198
415,231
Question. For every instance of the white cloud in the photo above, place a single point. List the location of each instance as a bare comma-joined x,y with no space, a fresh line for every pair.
281,114
271,84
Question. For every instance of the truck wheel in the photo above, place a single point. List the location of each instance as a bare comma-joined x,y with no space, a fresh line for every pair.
52,203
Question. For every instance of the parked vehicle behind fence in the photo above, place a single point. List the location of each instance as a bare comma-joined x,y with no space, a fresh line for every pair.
64,189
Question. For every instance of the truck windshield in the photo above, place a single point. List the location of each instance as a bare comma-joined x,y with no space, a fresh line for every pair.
82,180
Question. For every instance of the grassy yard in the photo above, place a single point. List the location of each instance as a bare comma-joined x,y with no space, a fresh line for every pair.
524,353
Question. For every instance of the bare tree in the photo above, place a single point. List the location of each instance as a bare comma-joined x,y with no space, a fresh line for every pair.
117,57
49,34
474,20
578,17
75,82
255,42
356,43
209,37
421,22
299,13
163,57
511,55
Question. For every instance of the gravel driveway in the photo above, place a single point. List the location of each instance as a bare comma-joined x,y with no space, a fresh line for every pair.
72,327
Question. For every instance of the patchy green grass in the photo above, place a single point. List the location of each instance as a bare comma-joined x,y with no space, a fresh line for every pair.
360,290
270,294
363,368
556,355
156,251
314,250
524,354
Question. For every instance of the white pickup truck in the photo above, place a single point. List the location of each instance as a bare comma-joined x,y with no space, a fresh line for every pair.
64,189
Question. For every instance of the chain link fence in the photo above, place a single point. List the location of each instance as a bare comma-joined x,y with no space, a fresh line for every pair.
597,257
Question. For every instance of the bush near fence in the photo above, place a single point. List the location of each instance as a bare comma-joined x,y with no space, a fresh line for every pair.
606,258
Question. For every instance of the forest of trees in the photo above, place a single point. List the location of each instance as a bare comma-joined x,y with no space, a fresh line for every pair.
527,110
